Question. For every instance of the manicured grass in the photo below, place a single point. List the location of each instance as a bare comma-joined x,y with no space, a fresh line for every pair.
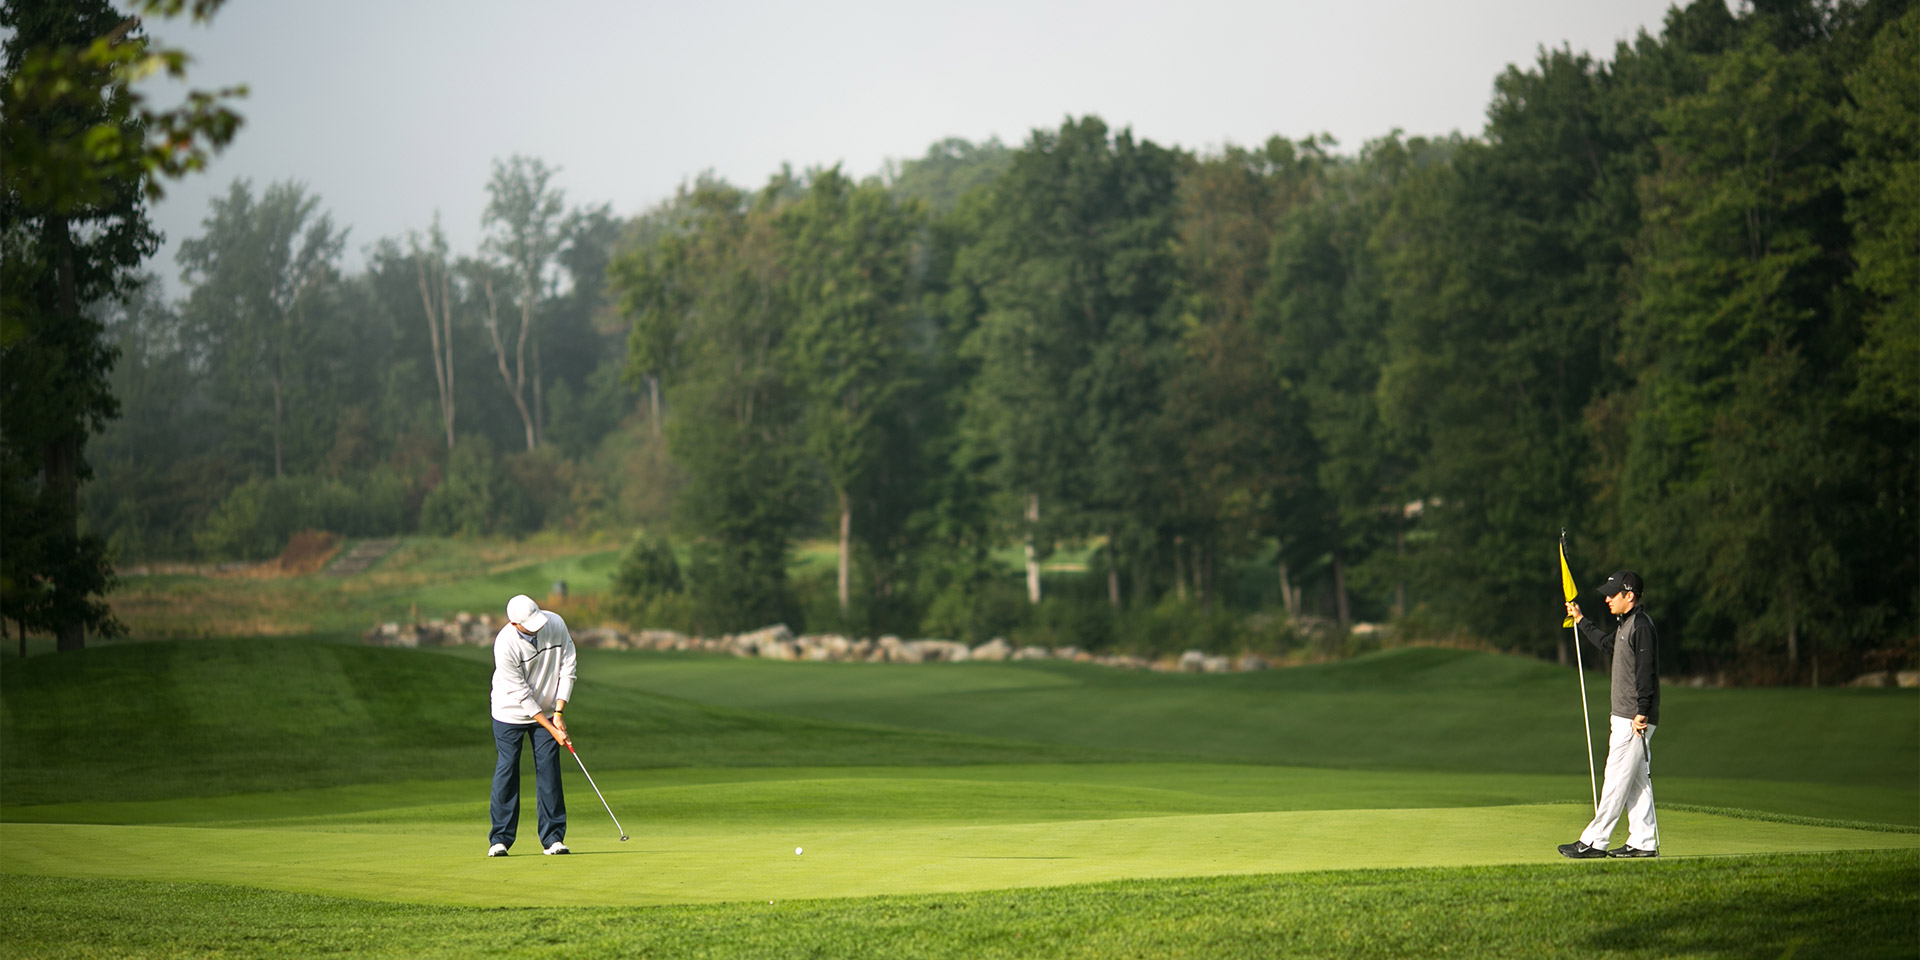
1847,754
214,717
291,797
1857,904
698,836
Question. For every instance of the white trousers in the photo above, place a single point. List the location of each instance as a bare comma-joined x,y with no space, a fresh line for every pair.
1628,788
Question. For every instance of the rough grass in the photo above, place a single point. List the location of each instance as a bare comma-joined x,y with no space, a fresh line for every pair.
423,577
1859,904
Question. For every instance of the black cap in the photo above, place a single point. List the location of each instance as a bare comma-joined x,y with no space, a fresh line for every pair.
1622,580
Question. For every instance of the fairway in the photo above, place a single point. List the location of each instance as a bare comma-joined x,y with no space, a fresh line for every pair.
897,781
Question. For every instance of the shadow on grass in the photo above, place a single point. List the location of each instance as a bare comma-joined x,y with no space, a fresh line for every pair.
1779,909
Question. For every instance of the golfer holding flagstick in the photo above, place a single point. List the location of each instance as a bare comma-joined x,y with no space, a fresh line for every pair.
533,670
1636,712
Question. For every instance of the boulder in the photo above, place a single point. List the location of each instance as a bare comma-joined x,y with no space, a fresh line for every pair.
995,649
1907,678
831,646
660,640
754,641
600,638
1032,653
1215,665
1878,678
1192,661
1250,662
939,651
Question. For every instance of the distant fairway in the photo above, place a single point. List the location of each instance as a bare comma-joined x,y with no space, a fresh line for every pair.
350,780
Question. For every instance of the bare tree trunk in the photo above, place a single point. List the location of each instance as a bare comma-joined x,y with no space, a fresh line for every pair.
442,366
517,388
1400,584
1561,642
1286,593
539,405
1033,560
277,472
653,397
1340,593
1113,571
1203,575
846,545
61,459
1180,568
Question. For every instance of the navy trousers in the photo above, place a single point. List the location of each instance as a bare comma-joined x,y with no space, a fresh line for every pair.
551,802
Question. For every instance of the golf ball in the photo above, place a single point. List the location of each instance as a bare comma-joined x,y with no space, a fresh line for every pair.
796,851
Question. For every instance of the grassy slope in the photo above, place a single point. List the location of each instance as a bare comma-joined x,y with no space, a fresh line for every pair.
214,717
1846,904
424,577
208,718
1851,754
391,748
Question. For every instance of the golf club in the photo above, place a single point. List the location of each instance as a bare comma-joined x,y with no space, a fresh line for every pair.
596,791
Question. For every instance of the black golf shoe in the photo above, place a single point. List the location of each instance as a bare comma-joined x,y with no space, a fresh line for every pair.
1632,852
1578,850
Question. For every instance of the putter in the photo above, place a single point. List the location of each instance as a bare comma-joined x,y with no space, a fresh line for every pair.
596,791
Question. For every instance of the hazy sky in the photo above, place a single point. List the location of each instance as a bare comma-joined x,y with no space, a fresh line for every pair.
390,110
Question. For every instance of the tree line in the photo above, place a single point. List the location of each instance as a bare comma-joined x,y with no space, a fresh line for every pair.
1666,301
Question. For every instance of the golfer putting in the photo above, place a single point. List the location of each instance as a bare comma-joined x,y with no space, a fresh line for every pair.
533,673
1635,714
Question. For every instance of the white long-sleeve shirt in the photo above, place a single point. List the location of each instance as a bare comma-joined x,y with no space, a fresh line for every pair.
532,675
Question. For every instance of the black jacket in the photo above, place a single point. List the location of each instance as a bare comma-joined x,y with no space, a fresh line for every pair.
1636,655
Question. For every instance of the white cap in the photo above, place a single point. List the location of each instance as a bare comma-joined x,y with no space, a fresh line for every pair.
523,611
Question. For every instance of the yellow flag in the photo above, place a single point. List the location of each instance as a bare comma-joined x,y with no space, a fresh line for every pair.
1566,581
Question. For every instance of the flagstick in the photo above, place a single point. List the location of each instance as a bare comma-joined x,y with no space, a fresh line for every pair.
1586,721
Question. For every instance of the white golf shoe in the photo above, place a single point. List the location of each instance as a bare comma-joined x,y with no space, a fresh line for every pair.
497,850
556,849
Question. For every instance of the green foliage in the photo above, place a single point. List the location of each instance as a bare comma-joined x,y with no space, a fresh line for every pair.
74,117
257,518
647,589
1665,300
949,170
1882,182
263,275
1742,450
482,493
82,152
715,294
1072,281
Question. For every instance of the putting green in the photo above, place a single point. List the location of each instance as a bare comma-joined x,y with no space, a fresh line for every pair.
729,835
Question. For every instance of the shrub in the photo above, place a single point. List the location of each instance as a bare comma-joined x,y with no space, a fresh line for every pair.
480,493
647,589
740,586
257,518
